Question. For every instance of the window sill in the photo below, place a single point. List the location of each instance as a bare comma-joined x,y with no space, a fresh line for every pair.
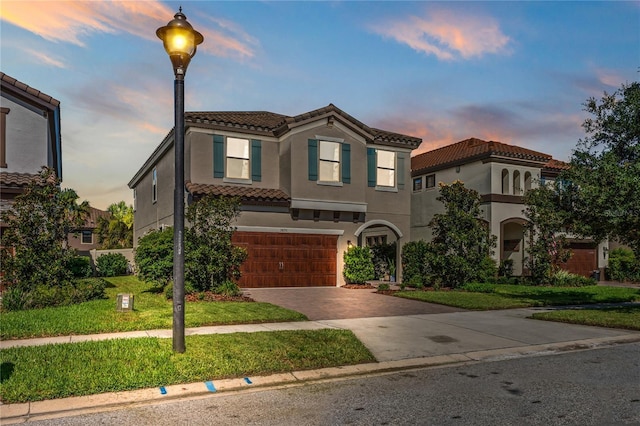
236,180
327,183
386,189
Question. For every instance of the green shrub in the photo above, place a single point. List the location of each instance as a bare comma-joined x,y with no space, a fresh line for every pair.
478,288
488,271
80,266
358,265
623,265
154,257
383,255
506,268
42,296
112,265
228,288
564,278
414,266
383,287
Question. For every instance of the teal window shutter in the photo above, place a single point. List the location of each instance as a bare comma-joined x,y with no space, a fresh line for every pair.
371,167
346,163
218,156
400,170
256,160
313,159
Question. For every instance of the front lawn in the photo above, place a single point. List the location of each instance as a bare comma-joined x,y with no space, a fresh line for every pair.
152,311
502,296
619,317
36,373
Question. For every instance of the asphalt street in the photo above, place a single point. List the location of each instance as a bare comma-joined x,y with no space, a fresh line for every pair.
590,387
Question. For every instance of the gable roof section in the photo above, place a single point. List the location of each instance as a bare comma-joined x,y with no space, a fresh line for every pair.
473,149
91,220
42,101
275,125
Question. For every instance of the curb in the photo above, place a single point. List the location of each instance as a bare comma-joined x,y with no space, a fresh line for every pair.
73,406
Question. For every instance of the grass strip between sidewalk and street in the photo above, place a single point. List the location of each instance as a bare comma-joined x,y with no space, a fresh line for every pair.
36,373
627,317
151,311
502,296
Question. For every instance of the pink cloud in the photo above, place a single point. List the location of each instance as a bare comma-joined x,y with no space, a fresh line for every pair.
46,59
448,35
74,21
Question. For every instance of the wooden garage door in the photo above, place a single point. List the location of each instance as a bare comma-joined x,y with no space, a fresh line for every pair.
287,260
583,261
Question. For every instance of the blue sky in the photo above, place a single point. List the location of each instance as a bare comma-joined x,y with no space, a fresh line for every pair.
515,72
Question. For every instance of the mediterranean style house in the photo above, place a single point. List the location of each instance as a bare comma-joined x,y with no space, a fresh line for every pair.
83,239
29,137
310,185
501,173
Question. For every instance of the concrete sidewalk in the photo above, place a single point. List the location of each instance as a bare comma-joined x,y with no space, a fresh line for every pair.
398,342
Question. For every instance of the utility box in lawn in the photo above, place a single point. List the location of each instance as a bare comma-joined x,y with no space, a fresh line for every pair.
124,302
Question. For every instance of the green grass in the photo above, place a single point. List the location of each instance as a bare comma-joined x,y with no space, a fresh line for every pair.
152,311
619,317
503,296
56,371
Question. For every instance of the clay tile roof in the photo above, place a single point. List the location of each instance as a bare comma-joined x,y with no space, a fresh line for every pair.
246,193
556,165
91,221
274,124
471,150
17,180
10,81
260,121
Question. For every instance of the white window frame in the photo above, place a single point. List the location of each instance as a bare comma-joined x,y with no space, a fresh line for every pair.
380,168
322,179
244,177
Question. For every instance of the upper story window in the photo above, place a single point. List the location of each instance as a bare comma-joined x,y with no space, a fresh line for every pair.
430,181
237,158
329,161
385,168
154,186
417,184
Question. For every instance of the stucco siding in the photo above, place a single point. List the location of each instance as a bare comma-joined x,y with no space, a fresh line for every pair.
27,135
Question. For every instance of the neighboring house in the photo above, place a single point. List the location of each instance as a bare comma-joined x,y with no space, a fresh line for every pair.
501,173
310,185
29,137
84,239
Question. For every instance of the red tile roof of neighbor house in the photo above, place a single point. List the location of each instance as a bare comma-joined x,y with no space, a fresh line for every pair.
7,80
471,150
91,221
16,180
273,124
246,193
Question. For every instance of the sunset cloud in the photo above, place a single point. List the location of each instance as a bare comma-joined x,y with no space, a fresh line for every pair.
448,35
75,21
46,59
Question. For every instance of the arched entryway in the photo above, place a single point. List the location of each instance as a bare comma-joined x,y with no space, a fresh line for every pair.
383,237
512,244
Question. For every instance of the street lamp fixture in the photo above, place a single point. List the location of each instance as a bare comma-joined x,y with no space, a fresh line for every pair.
180,41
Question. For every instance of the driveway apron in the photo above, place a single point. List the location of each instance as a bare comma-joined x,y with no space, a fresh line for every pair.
327,303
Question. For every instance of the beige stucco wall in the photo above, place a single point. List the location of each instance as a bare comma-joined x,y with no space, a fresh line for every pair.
27,136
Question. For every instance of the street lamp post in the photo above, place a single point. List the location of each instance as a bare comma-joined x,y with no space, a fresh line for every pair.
180,41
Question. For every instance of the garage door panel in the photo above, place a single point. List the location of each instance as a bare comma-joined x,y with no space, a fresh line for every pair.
287,260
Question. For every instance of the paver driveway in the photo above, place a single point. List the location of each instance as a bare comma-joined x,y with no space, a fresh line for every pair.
324,303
